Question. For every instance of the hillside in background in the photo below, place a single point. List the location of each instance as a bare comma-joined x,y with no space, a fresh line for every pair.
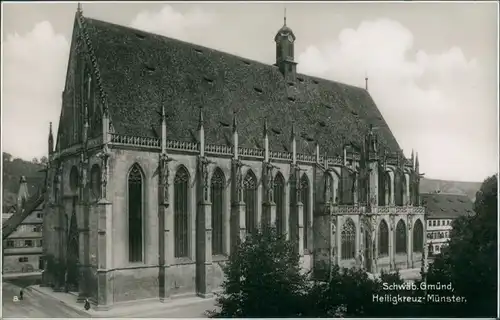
13,169
453,187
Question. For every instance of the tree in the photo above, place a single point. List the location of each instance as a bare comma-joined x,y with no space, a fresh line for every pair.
263,278
470,261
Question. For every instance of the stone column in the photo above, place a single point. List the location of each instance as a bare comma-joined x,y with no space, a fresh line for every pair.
393,188
237,219
269,206
392,248
204,234
104,256
409,243
300,226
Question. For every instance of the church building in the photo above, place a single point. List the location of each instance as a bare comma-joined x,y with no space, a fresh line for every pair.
169,153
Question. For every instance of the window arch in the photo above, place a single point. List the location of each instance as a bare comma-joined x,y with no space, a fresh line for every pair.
401,237
418,236
383,239
135,213
250,198
73,179
181,187
304,195
95,181
279,197
218,184
348,238
404,198
387,188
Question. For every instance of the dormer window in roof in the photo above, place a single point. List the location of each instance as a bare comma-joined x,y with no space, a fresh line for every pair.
246,62
292,99
207,79
259,90
224,124
327,106
300,79
276,131
150,68
315,82
354,112
140,36
199,51
322,124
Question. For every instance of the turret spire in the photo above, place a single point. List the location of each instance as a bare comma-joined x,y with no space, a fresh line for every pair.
284,17
201,121
51,139
234,121
79,9
264,133
417,165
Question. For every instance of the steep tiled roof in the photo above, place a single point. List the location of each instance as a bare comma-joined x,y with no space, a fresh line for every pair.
141,71
439,205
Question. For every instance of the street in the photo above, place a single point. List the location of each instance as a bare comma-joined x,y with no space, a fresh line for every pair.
33,305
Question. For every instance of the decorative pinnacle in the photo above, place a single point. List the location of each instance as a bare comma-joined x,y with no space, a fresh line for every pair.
284,18
79,8
234,121
265,127
293,130
162,113
200,119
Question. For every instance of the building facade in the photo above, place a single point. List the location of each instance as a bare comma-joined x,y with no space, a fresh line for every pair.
22,249
442,209
168,154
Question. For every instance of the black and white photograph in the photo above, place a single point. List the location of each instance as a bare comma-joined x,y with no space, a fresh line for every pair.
250,159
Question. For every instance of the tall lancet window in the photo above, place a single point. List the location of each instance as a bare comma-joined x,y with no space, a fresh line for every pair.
404,198
383,239
135,214
401,237
181,187
218,184
304,197
387,188
250,198
418,236
279,198
348,240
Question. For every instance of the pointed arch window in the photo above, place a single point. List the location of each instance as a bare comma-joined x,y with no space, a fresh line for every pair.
135,214
418,236
404,198
387,188
347,185
279,197
304,195
217,185
250,198
73,179
348,240
181,185
401,237
383,239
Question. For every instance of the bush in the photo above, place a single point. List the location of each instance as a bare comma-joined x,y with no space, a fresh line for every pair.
263,278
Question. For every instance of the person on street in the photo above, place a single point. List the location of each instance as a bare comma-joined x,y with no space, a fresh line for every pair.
21,293
87,304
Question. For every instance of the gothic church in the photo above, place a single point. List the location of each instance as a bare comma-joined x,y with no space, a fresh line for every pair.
168,153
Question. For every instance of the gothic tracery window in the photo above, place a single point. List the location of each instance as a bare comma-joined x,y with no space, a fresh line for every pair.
250,198
400,237
304,195
348,240
387,188
73,179
218,184
135,214
418,236
181,186
279,197
383,239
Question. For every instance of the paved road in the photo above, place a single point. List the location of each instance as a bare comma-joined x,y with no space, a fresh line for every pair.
33,305
194,310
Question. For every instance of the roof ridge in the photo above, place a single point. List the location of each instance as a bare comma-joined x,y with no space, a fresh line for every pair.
132,29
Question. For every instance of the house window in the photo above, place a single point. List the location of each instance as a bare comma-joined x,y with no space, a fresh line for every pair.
23,259
304,194
218,184
40,263
28,243
39,215
135,207
348,238
250,198
279,194
181,185
383,239
401,237
10,244
418,236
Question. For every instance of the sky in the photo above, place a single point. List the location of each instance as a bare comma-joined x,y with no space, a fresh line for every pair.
432,67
